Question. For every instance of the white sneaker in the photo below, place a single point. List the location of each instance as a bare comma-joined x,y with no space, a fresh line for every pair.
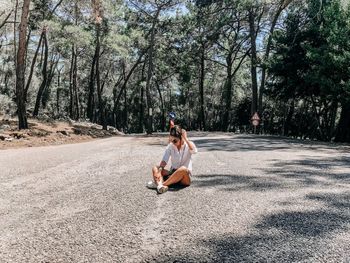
151,185
162,189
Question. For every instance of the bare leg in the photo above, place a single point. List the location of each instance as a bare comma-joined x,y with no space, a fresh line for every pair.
181,175
158,175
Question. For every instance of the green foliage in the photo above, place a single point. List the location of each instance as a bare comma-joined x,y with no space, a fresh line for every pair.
312,62
77,35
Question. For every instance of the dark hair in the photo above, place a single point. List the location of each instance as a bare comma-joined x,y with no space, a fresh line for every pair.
176,131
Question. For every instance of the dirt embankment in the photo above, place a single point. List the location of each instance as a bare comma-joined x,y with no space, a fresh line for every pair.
42,133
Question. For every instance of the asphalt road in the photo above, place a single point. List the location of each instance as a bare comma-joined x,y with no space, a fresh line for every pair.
253,199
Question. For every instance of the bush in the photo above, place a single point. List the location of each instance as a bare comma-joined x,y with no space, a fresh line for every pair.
7,106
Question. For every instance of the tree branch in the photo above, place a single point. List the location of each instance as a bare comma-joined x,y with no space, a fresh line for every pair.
6,18
54,9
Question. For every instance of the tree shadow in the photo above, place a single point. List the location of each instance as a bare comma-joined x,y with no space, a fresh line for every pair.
262,143
333,200
239,143
176,187
234,143
289,236
316,162
286,236
282,237
230,182
312,171
286,174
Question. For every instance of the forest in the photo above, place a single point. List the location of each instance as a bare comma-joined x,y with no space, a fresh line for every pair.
128,63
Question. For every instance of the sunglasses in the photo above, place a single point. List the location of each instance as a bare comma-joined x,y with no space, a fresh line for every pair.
174,141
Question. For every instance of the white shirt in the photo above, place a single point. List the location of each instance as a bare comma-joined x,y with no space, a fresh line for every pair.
179,158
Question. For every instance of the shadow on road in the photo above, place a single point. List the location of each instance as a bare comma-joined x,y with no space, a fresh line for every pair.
294,233
316,162
230,182
261,143
229,142
239,143
312,171
290,236
286,174
332,200
283,237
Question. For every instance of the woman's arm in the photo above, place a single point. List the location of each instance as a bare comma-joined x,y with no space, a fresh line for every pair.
162,164
189,143
165,158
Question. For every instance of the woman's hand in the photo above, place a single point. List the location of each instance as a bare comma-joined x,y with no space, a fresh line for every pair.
184,134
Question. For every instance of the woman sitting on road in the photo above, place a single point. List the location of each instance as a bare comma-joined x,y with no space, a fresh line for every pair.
180,149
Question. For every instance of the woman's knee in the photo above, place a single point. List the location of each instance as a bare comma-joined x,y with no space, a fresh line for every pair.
183,168
155,169
186,181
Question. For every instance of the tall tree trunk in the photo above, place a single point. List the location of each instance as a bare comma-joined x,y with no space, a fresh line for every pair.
75,69
317,117
189,126
97,10
125,80
91,96
163,118
343,129
202,124
227,93
75,85
333,116
74,111
125,111
254,61
149,128
15,34
58,91
44,73
71,92
101,102
51,74
15,42
33,65
73,89
20,68
116,99
288,122
141,106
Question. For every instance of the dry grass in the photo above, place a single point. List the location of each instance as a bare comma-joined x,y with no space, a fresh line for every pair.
41,133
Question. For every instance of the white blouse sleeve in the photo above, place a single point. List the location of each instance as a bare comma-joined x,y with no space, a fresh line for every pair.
195,150
167,154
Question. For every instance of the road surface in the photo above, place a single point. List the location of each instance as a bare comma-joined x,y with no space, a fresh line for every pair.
253,199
